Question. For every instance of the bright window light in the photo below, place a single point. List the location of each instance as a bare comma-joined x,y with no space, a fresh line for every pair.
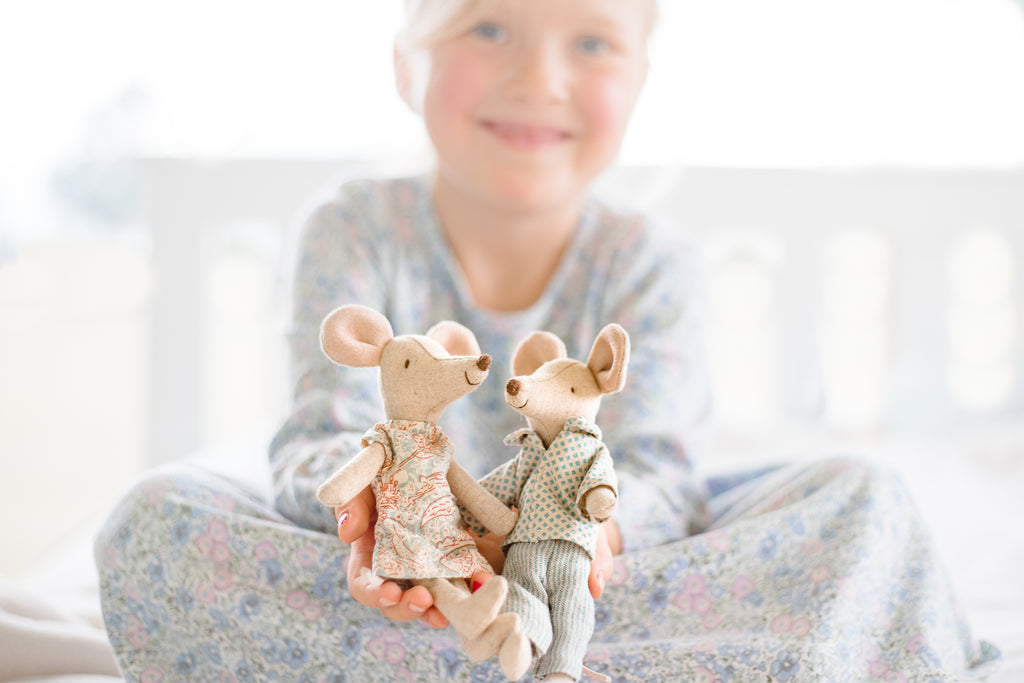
794,83
743,343
982,320
858,270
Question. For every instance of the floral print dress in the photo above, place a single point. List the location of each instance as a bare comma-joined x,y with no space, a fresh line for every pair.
419,532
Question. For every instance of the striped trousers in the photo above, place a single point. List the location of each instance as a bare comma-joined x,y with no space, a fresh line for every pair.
548,590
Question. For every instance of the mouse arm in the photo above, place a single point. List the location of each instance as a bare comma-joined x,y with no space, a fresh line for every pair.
492,513
599,503
351,478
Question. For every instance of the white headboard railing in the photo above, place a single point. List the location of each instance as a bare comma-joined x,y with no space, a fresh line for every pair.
913,265
196,212
856,299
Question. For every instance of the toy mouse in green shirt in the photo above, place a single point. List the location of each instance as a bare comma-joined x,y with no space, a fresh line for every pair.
563,483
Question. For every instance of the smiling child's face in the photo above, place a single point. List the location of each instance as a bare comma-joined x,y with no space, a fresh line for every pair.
529,100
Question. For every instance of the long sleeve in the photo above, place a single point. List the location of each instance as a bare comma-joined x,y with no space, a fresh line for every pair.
337,261
379,244
600,473
654,427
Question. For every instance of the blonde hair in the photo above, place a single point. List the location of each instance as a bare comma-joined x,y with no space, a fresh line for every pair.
430,22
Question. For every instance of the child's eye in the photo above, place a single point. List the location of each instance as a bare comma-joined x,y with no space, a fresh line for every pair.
491,31
592,45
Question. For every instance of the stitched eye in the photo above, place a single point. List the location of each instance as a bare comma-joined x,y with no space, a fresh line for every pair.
406,362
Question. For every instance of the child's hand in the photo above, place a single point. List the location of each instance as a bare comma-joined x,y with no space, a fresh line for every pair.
489,546
609,543
355,525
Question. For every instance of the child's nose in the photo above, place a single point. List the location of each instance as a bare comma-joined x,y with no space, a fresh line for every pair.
538,74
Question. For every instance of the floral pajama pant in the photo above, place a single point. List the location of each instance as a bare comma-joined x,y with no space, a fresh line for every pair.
819,572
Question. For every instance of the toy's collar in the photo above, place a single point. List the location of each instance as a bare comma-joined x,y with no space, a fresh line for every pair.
575,425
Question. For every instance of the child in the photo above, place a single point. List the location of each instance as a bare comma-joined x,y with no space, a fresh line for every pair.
518,143
819,572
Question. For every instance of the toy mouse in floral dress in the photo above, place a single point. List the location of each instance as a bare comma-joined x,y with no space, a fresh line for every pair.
407,460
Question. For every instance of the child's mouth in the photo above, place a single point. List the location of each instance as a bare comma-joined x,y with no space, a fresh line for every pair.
527,137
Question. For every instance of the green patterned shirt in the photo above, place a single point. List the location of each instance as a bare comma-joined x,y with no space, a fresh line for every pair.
548,484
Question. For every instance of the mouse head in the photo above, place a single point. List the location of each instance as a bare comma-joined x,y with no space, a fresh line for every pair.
420,375
548,388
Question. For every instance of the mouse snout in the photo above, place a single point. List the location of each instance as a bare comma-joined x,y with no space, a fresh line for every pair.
513,387
484,362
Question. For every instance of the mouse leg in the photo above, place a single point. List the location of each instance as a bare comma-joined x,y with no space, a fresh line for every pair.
505,638
470,613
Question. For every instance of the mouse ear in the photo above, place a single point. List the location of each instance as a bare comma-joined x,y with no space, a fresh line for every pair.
355,335
609,357
457,339
534,351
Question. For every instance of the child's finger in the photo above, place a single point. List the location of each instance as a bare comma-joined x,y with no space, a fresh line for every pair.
372,591
434,618
387,596
601,565
360,562
413,604
478,580
356,516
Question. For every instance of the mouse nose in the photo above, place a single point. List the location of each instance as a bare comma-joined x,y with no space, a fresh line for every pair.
513,387
484,362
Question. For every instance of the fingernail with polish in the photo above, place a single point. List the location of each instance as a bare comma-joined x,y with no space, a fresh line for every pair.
475,586
342,518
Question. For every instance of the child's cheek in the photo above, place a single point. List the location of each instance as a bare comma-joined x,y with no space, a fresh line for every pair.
455,90
608,108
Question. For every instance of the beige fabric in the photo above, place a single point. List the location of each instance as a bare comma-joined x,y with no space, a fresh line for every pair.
550,388
609,357
420,375
355,336
492,513
352,477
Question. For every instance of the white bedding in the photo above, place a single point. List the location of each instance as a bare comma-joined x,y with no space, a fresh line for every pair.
968,487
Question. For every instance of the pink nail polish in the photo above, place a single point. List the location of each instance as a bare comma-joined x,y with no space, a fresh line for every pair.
475,586
342,518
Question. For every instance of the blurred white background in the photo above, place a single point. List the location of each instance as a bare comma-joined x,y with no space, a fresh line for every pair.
87,88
